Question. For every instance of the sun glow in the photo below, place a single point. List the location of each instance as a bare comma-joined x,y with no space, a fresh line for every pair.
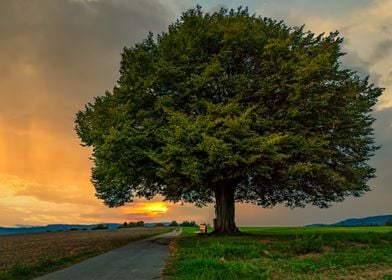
154,208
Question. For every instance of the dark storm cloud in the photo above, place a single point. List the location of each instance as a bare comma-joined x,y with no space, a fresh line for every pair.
69,50
55,56
381,51
351,60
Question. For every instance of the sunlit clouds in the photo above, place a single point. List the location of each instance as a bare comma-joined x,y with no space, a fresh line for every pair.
56,55
34,203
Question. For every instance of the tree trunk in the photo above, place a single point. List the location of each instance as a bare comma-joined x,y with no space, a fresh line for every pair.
224,223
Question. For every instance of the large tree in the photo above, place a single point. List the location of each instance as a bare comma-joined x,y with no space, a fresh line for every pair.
229,107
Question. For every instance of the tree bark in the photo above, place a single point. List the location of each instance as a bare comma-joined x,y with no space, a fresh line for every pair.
224,223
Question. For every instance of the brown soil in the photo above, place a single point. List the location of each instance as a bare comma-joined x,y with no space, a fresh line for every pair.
29,248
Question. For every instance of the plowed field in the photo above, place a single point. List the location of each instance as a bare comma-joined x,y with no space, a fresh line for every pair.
31,248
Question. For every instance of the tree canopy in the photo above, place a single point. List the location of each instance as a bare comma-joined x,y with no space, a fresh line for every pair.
232,107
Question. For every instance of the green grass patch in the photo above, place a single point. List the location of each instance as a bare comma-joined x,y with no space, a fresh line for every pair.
284,253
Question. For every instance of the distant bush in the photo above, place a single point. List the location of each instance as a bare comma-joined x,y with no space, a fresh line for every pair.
140,224
389,223
188,224
132,224
73,229
159,225
173,224
100,226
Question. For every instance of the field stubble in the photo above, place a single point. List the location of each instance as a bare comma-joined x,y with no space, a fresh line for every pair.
37,253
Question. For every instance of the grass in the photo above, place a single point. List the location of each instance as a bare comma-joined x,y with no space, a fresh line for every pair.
29,255
284,253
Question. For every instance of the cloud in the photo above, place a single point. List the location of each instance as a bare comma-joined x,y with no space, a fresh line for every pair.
115,215
56,55
366,27
61,53
353,61
15,187
58,194
35,203
381,51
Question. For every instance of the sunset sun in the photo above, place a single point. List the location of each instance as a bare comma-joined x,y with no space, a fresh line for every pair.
154,208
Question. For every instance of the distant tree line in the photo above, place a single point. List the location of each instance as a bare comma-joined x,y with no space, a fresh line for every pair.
159,225
142,224
188,224
172,224
183,224
132,224
100,226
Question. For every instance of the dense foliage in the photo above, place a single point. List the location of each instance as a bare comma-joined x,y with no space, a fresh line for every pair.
232,105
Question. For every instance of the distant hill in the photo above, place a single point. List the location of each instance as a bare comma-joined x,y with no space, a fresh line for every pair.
153,224
53,227
354,222
60,227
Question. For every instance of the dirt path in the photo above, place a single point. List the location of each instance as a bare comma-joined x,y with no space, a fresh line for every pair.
139,260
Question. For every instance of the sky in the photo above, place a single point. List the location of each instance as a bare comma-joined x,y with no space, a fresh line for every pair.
56,55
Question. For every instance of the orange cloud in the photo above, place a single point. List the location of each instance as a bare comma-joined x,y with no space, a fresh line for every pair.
29,202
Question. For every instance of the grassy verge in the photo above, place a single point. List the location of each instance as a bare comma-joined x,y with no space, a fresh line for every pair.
70,248
285,253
